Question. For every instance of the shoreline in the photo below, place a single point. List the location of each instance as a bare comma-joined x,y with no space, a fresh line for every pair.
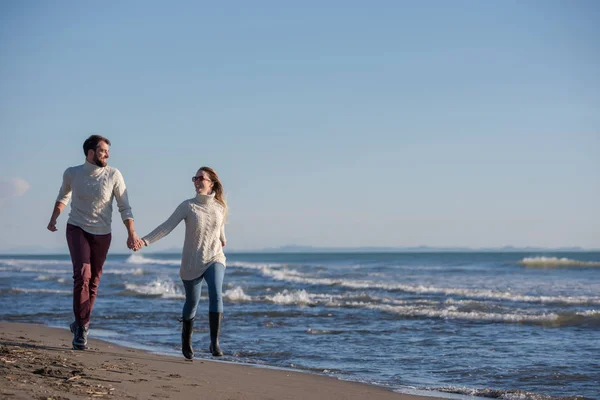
37,361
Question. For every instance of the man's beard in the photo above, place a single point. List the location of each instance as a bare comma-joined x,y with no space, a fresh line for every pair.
99,162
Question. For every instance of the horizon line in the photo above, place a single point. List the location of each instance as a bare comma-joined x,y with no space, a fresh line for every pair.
314,249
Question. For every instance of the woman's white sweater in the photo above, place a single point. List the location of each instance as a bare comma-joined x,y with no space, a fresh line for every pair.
204,234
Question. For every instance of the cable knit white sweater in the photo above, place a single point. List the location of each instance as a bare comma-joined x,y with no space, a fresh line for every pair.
92,189
204,231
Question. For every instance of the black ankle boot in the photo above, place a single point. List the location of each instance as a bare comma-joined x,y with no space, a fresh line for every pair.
186,338
214,319
80,334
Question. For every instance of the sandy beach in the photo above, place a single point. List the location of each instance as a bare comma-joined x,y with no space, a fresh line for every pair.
37,362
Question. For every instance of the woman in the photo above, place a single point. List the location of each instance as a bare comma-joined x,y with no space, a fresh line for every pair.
202,257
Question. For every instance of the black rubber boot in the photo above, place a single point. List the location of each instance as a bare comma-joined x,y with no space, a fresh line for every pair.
80,334
214,319
186,338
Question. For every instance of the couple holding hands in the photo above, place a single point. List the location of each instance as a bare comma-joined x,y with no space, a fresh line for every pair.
91,187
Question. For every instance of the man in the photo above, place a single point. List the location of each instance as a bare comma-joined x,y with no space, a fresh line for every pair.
92,187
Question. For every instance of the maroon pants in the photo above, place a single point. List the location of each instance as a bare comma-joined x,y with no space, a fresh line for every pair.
88,253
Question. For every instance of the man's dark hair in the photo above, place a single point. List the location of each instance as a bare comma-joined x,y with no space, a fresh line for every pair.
92,142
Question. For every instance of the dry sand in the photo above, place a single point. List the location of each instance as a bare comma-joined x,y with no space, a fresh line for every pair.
37,362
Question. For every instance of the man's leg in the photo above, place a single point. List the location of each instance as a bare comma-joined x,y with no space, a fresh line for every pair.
99,245
79,248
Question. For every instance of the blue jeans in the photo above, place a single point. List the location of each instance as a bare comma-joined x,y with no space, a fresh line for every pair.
214,280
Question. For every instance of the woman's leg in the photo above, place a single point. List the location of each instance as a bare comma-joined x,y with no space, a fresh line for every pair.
214,280
193,289
192,296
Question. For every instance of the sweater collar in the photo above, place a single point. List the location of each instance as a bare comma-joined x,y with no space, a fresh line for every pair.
205,198
90,168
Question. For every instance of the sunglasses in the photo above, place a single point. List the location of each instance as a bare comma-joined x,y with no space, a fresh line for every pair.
199,179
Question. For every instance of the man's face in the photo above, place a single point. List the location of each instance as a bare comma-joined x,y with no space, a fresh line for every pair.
101,154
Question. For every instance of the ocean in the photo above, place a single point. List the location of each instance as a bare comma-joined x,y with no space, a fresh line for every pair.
496,325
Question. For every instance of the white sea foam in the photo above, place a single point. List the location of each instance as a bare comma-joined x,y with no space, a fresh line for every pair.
452,313
554,262
290,297
589,313
236,294
140,259
582,318
282,272
448,309
302,297
494,393
410,308
56,291
18,262
253,265
18,268
294,276
164,287
132,271
50,278
298,297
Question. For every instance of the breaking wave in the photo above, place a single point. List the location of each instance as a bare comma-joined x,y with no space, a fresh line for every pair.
502,394
132,271
49,291
236,294
140,260
164,288
554,262
281,272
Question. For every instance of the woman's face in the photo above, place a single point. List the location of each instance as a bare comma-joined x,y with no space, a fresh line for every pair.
202,183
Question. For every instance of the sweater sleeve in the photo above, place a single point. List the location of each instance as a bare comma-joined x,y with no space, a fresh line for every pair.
64,194
120,192
166,227
222,235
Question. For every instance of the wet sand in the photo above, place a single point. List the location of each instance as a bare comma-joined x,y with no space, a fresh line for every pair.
37,362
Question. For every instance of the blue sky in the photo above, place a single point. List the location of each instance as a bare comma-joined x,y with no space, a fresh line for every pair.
387,123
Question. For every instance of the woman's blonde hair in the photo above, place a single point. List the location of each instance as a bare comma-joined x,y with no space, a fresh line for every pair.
217,187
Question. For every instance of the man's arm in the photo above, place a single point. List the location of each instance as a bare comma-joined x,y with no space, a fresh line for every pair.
133,241
120,192
64,194
58,207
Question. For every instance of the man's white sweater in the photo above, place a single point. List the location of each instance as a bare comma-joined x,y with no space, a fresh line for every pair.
92,190
204,232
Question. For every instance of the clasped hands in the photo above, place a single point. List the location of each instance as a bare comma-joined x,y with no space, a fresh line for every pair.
134,242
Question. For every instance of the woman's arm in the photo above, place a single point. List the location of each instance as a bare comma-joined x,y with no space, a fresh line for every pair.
222,235
166,227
